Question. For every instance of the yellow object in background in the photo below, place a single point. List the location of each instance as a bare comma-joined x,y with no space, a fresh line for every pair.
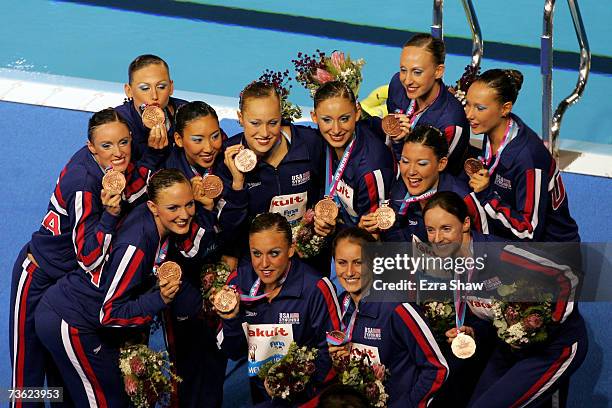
375,104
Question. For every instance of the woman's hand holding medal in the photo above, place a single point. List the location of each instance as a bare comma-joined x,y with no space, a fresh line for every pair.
369,222
199,193
479,181
158,137
237,175
111,202
397,126
337,353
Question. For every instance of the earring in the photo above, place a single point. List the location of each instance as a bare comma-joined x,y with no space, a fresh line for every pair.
127,100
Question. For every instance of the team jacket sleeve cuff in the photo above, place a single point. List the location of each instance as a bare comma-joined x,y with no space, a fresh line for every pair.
108,222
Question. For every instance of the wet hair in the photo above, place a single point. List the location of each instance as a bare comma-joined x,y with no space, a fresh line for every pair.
163,179
192,111
352,234
271,221
450,202
506,83
142,61
103,117
431,137
342,396
257,90
333,89
434,46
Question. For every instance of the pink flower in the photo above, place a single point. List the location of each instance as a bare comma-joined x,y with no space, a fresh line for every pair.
137,366
323,76
207,281
511,315
337,60
379,371
131,385
533,322
372,391
309,368
308,218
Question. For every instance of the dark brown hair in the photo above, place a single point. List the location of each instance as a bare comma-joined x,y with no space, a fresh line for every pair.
163,179
103,117
142,61
431,137
256,90
506,82
450,202
353,234
434,46
191,111
271,221
333,89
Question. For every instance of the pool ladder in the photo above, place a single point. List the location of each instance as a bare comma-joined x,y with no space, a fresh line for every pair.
551,123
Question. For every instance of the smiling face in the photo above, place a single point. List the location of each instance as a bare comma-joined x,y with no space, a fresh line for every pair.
151,85
420,168
419,72
201,140
484,110
173,209
270,255
445,231
261,120
111,145
336,118
347,258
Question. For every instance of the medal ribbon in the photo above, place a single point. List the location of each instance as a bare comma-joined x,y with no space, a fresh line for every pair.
253,296
348,329
197,173
413,116
330,189
408,199
460,306
511,132
161,255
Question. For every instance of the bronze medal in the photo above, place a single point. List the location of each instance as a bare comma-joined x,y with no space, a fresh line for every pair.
472,166
245,160
327,210
113,182
391,126
170,271
385,217
153,115
212,186
338,335
463,346
225,300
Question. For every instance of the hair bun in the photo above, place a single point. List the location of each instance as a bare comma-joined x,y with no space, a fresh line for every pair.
516,77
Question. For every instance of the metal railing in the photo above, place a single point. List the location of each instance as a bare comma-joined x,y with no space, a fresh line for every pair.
477,44
551,123
436,27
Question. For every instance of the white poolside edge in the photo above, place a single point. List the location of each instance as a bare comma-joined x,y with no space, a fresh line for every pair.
91,95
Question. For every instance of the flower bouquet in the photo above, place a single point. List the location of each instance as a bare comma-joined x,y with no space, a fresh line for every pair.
522,324
212,277
147,376
307,242
289,376
280,81
317,69
461,86
440,316
358,372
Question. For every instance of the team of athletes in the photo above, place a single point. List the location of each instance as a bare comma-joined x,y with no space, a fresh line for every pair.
86,283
